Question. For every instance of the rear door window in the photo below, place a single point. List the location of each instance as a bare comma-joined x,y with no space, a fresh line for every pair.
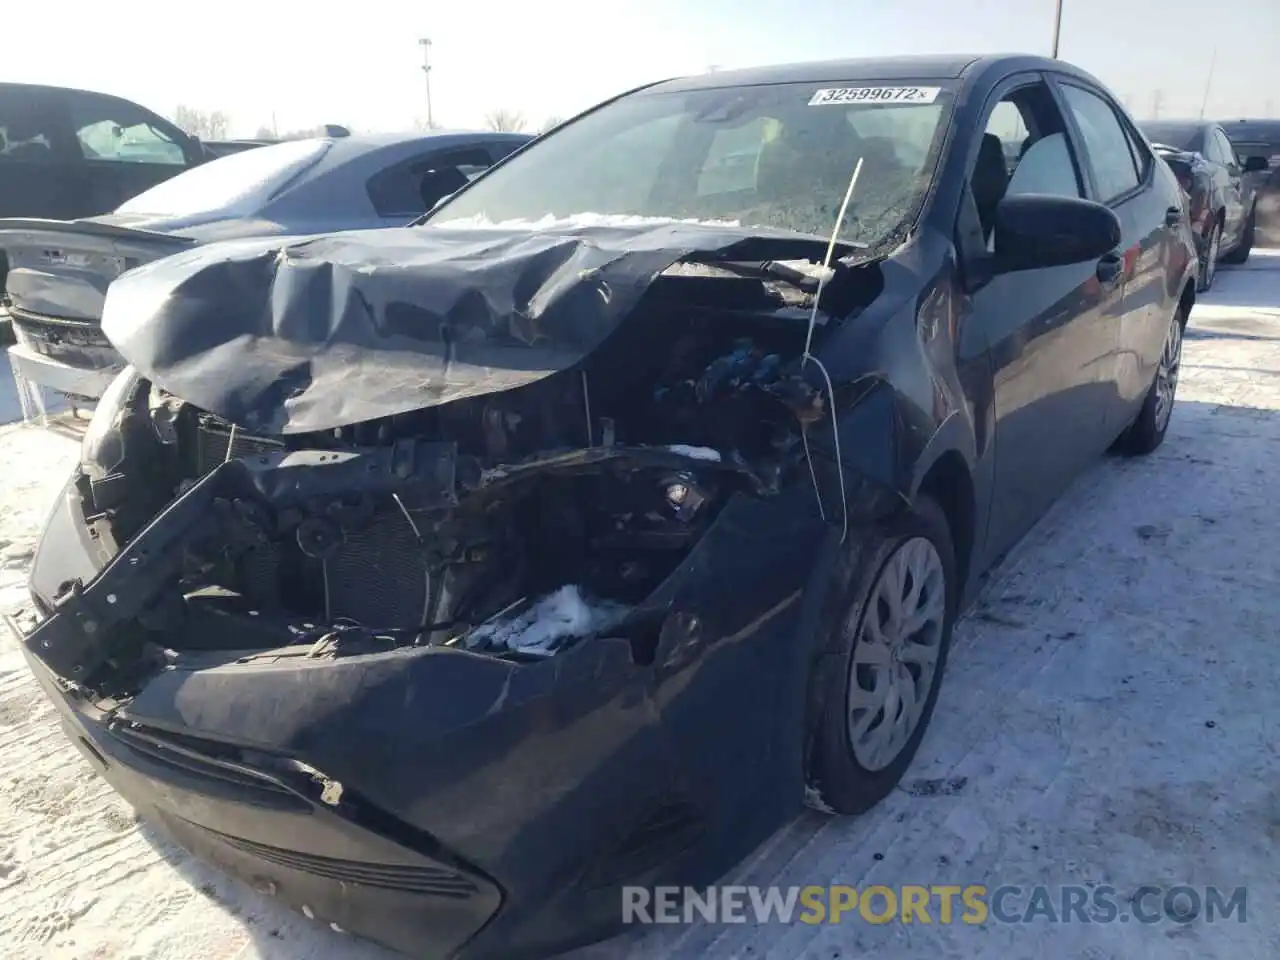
1106,145
122,132
412,187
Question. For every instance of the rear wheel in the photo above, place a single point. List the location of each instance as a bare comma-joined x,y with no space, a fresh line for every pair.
1147,432
1241,253
879,677
1209,254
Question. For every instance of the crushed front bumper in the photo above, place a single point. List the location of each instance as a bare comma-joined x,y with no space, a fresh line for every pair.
452,804
275,834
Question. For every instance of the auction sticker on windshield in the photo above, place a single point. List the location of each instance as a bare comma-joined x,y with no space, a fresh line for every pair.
833,95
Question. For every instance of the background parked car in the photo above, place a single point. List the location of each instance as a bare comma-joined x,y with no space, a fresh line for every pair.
1196,179
59,270
74,153
1224,212
1257,138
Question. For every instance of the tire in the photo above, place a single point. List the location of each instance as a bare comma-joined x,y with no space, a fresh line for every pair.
1241,253
842,777
1209,258
1147,431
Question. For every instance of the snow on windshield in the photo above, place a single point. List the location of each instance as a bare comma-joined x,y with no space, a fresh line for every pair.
236,184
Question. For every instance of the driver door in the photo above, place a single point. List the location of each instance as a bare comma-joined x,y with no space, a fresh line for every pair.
1045,332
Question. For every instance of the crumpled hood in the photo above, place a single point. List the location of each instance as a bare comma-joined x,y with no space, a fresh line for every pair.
302,334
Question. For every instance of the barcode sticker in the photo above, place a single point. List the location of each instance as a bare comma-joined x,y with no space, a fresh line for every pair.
836,95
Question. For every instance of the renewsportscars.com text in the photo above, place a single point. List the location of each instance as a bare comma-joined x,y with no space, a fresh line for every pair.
938,903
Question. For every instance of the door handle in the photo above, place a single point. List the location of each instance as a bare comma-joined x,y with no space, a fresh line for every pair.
1172,216
1109,268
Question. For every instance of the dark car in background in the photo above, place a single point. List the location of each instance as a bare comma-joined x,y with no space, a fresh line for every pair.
59,270
1258,138
444,580
75,153
1223,210
1196,178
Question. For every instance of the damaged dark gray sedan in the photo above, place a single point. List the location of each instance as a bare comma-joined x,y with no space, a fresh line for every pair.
439,581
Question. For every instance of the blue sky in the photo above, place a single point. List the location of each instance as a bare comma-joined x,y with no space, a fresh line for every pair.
360,63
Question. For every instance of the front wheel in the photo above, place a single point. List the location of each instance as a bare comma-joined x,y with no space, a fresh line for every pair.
880,674
1148,430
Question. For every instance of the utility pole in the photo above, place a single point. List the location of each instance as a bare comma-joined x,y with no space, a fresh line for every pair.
1208,82
426,72
1057,26
1157,99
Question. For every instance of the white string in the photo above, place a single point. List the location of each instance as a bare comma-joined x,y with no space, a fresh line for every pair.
831,392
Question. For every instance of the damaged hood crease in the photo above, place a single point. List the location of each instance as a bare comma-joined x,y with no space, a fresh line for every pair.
312,333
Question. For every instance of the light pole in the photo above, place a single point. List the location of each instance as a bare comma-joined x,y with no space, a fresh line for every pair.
1057,26
426,72
1208,82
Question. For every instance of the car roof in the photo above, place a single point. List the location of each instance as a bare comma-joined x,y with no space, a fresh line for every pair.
342,173
1261,129
371,150
941,67
53,87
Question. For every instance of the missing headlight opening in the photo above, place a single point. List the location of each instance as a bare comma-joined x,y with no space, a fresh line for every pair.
512,524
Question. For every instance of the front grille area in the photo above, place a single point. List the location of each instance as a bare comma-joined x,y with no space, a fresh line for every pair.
421,880
53,332
377,575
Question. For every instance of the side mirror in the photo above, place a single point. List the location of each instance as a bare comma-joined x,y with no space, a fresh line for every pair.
1256,164
1033,231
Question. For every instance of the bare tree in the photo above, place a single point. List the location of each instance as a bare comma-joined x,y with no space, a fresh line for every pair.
422,123
550,123
198,123
505,121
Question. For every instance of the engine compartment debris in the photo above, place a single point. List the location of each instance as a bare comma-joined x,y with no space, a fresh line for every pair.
564,615
510,512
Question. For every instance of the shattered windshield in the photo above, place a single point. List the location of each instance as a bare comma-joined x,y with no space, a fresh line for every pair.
775,155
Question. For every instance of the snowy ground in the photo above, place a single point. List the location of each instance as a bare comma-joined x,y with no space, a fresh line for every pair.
1109,715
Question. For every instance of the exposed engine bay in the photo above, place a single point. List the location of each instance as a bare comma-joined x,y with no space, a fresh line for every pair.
511,523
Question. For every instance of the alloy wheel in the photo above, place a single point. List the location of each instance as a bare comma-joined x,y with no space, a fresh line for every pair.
895,653
1167,373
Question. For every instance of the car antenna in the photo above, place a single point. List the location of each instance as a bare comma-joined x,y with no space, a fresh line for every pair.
808,356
